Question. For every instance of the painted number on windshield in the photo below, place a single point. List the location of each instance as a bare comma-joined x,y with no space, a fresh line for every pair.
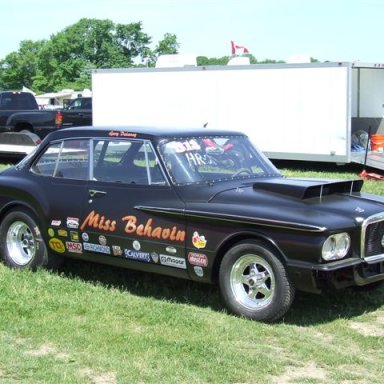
187,146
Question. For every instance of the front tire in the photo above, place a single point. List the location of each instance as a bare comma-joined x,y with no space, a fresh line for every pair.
21,243
254,283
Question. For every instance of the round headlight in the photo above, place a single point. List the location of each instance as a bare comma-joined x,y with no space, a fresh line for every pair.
336,246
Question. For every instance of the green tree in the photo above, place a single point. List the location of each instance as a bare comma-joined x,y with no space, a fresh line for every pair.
167,46
19,68
68,57
203,60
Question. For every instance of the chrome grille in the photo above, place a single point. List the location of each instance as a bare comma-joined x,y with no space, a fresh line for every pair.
372,241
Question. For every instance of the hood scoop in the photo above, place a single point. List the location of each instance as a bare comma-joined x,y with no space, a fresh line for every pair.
308,188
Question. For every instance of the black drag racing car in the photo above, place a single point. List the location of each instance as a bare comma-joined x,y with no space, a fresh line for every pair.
199,204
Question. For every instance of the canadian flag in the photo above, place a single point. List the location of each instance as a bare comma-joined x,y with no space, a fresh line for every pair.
238,48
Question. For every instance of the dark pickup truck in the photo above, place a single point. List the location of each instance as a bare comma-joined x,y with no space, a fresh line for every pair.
20,113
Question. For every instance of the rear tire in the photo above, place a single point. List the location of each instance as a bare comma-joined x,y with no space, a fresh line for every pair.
21,243
254,283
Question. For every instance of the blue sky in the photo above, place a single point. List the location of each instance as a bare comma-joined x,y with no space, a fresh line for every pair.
334,30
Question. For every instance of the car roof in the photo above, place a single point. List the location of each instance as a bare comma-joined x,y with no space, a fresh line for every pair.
150,133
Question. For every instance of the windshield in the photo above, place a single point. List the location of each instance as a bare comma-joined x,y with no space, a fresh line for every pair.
214,158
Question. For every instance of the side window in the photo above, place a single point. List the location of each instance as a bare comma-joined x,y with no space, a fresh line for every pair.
17,101
86,104
109,153
75,105
68,159
46,164
126,161
146,159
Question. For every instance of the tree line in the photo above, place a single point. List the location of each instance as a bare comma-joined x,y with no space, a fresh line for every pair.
68,57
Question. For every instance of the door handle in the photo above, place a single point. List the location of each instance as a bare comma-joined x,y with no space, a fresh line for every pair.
94,192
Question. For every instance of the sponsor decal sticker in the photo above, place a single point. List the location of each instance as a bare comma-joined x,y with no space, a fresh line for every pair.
62,232
116,250
171,250
74,247
85,236
198,259
56,244
199,271
198,241
137,255
56,223
72,222
51,232
74,236
102,240
173,261
97,248
155,257
136,245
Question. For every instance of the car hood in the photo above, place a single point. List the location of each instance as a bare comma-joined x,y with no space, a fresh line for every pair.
304,204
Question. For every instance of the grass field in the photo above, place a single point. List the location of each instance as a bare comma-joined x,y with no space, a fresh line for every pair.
88,323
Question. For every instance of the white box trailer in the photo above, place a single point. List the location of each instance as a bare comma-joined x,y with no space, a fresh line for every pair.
307,112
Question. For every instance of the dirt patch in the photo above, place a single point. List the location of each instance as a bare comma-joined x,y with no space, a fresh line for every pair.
361,375
297,374
46,349
380,317
367,329
328,339
99,378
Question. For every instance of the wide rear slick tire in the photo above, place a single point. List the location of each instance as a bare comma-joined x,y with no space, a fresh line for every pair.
21,242
254,283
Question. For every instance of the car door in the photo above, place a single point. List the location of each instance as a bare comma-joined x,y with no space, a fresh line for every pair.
62,172
78,113
131,215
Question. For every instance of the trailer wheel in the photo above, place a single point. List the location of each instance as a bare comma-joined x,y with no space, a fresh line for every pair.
254,283
21,243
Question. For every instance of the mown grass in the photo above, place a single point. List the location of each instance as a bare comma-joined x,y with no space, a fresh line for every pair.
88,323
97,324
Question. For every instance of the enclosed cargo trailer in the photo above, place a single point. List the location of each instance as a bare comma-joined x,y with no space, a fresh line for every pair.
311,112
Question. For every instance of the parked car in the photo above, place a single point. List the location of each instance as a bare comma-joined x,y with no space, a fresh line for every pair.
204,205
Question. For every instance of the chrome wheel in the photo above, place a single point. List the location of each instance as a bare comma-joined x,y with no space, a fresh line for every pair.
20,243
252,282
